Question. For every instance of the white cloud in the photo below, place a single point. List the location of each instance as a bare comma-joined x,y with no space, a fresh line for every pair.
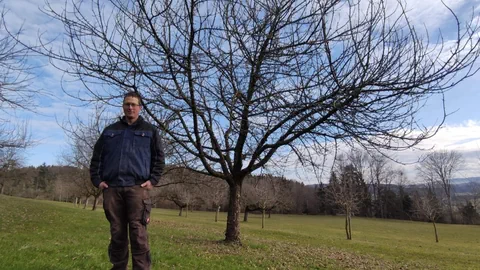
432,13
464,138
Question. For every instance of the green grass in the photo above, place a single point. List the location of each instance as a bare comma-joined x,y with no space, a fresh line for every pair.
51,235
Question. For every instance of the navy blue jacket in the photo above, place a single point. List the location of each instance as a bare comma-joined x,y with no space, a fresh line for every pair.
127,155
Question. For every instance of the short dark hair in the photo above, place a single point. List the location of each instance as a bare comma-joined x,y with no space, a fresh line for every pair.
135,95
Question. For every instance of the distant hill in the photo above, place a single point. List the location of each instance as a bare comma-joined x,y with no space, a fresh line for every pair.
457,181
464,185
461,185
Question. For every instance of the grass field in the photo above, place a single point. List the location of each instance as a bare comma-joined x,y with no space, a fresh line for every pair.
51,235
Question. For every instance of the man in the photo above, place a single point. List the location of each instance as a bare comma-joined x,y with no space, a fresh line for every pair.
127,161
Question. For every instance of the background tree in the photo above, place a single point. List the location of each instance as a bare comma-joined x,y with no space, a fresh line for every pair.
16,92
405,201
10,160
183,188
348,192
239,85
217,194
262,194
82,135
65,187
428,207
469,213
474,194
180,196
327,201
379,180
44,181
438,168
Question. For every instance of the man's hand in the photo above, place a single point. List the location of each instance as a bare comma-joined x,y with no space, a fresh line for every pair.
148,185
103,185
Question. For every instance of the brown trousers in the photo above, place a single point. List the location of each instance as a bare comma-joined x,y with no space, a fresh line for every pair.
128,211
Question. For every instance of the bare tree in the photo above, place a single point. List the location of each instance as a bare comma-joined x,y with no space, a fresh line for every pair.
65,187
180,196
14,135
217,193
239,85
348,191
181,186
428,207
406,203
82,135
377,174
263,194
16,92
438,169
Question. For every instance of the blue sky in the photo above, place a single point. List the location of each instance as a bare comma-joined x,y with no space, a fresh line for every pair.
461,131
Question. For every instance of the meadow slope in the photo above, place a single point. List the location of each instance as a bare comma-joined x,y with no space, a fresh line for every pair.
52,235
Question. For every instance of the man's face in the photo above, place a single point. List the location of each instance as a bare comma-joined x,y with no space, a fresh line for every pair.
131,107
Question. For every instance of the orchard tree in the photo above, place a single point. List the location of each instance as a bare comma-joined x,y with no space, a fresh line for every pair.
82,135
349,192
216,194
428,207
239,85
438,169
182,187
263,193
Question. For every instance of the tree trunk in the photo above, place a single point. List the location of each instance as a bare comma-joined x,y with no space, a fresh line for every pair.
346,225
186,211
435,229
450,209
95,201
245,215
232,234
86,203
180,213
348,230
349,226
263,218
216,213
381,204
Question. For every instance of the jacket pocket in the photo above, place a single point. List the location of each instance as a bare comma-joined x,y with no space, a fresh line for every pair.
142,139
110,134
147,209
112,140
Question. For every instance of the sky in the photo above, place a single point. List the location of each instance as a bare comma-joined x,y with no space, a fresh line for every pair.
461,131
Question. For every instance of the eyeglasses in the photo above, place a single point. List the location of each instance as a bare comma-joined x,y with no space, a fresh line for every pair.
130,105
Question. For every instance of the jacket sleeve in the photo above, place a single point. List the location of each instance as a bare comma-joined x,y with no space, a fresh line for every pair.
95,163
158,158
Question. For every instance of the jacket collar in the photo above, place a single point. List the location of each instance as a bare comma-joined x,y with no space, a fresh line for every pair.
136,123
